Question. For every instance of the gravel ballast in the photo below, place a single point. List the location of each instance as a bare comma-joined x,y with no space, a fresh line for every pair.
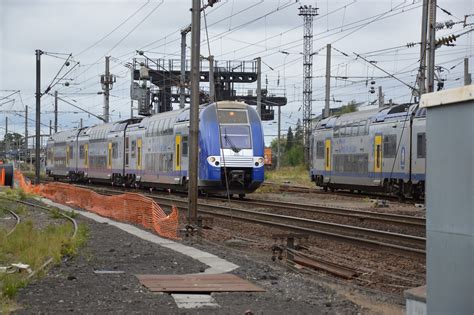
74,287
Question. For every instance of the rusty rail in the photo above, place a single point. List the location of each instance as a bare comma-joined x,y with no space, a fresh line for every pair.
339,211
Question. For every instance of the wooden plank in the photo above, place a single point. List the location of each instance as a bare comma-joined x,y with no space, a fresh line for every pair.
197,283
337,270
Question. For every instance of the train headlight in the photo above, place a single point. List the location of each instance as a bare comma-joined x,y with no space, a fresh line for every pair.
211,159
260,160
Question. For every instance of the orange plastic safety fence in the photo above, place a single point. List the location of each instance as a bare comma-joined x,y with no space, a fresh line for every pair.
2,177
128,207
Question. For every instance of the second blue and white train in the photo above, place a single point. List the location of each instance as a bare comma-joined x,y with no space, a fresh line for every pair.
383,149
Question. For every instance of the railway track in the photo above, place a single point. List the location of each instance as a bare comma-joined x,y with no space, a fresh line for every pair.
338,211
394,219
348,233
320,191
17,221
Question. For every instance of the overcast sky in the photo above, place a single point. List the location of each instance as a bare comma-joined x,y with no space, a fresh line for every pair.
238,30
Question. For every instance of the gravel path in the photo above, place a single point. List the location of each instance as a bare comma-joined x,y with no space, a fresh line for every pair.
74,287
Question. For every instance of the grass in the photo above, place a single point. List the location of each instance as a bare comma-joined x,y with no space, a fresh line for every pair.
32,246
31,174
16,193
292,175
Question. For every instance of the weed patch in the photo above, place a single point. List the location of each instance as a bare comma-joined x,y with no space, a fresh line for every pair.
292,175
33,246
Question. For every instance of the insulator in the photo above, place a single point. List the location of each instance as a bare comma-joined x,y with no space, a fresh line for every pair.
372,82
439,25
449,24
67,64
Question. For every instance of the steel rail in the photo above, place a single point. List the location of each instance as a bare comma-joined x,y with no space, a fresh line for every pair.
413,240
74,223
303,189
359,234
339,211
336,236
324,209
49,260
18,220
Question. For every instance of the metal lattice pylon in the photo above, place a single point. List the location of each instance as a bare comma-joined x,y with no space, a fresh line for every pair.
308,13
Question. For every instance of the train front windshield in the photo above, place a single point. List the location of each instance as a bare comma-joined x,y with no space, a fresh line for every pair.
234,129
235,136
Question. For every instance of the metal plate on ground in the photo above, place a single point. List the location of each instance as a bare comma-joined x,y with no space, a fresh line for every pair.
197,283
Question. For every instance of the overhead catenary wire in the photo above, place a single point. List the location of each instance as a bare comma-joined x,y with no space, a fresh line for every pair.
114,29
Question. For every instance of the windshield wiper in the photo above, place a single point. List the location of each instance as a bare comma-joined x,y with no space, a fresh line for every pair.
232,145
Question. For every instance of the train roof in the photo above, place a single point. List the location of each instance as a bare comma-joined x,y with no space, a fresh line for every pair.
375,115
100,131
63,136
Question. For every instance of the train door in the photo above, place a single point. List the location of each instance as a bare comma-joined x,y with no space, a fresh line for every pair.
109,156
139,154
86,155
378,156
67,155
327,158
127,152
181,163
177,153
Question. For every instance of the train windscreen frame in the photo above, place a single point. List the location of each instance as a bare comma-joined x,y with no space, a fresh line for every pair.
235,137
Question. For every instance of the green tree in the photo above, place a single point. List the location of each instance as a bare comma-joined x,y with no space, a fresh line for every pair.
295,156
348,108
289,139
274,146
299,133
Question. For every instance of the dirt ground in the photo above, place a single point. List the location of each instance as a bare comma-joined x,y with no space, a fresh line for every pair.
335,200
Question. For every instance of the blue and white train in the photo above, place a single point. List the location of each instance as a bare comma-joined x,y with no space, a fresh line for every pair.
153,151
374,150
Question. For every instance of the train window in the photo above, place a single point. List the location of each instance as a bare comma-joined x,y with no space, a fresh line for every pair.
421,145
86,154
354,128
320,149
149,129
352,163
361,129
163,123
133,148
337,129
184,144
115,150
156,128
343,130
71,152
81,152
159,127
235,137
127,142
168,129
377,157
390,146
226,116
